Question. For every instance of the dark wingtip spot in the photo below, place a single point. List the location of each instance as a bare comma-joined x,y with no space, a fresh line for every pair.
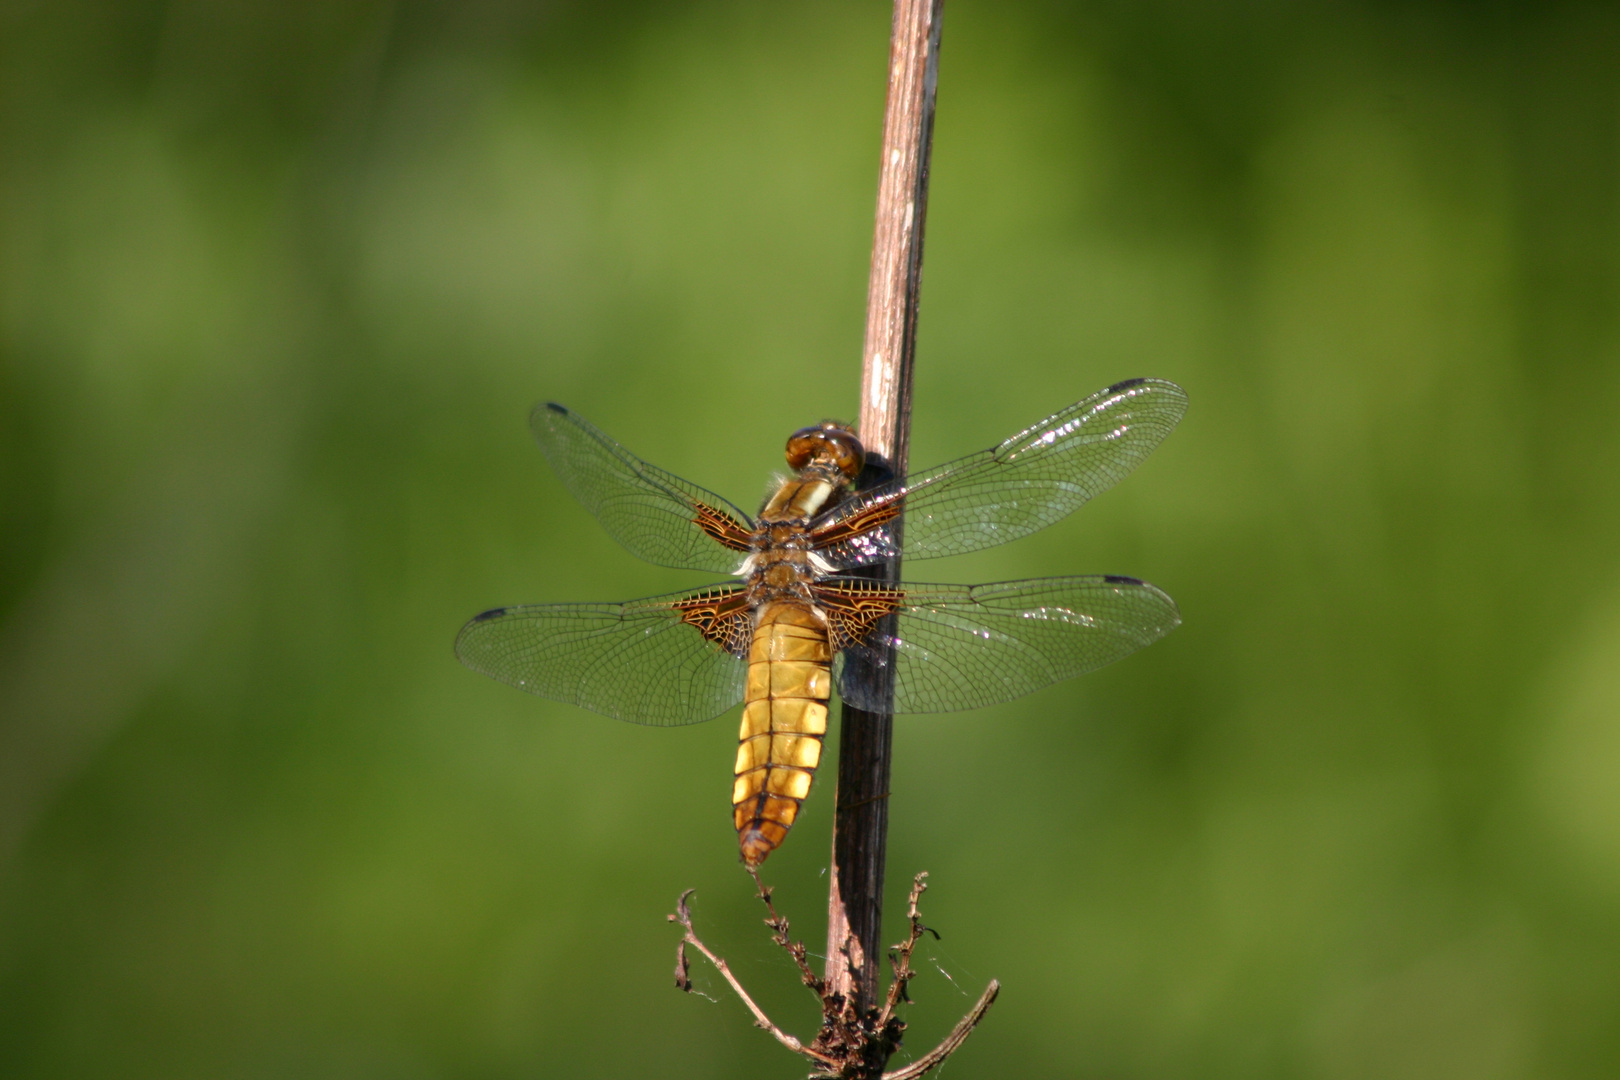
552,406
1126,385
1112,579
485,616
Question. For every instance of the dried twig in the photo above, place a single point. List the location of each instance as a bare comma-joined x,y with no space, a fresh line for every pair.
964,1027
900,961
683,916
854,1043
779,934
900,955
861,816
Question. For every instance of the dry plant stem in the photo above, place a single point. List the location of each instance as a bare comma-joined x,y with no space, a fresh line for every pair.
683,916
852,1045
900,955
900,958
955,1039
779,934
860,829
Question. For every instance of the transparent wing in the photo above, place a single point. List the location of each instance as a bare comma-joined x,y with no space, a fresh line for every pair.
664,661
1031,480
655,514
967,646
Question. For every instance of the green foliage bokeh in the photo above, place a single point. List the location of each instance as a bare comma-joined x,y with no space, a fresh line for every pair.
280,281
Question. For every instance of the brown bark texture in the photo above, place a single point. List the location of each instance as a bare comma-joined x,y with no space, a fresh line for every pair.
855,895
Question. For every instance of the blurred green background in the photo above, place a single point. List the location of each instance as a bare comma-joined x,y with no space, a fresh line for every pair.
279,282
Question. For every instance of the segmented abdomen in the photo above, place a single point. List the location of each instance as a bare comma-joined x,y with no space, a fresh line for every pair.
783,722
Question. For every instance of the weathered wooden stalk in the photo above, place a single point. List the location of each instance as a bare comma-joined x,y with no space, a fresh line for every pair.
860,829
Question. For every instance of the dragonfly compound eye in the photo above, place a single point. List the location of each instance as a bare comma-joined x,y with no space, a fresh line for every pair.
828,441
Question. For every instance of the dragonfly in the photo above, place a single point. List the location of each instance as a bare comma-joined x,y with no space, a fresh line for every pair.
803,610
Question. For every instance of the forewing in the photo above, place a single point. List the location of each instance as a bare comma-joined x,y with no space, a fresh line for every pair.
655,514
1031,480
663,661
967,646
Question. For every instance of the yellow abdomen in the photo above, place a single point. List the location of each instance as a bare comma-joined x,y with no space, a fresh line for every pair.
783,722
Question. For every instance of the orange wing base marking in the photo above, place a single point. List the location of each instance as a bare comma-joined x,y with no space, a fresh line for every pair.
722,616
722,527
862,520
853,609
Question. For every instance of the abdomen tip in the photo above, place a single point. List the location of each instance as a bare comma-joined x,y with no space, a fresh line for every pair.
755,847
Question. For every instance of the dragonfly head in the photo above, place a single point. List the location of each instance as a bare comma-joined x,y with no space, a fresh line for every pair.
828,442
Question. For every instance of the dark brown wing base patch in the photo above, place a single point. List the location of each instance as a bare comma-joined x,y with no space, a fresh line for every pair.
853,608
725,529
865,519
722,616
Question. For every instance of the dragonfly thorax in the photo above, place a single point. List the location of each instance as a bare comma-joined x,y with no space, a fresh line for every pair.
781,565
